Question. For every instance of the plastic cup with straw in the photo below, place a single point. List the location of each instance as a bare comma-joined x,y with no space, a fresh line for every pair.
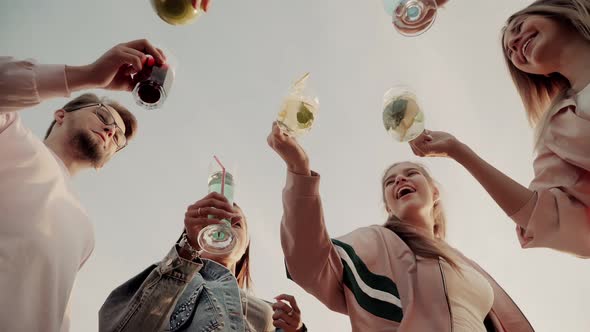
219,238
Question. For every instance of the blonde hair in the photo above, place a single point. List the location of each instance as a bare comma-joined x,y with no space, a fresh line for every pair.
420,244
540,93
242,268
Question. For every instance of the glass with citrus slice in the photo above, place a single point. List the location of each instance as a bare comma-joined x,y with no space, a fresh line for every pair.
299,109
402,115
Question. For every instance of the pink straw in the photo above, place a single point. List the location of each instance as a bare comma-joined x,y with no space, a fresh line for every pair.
222,174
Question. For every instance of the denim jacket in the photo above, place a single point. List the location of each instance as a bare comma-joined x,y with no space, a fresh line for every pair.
180,295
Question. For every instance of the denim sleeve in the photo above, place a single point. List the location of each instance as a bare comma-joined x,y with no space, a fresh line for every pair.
144,302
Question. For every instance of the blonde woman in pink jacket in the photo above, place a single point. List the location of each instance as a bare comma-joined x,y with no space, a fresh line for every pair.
547,50
400,276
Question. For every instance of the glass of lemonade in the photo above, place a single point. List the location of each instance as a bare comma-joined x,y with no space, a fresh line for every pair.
299,109
411,17
402,115
219,238
179,12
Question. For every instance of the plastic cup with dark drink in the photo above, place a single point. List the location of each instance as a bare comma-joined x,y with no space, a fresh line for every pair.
153,83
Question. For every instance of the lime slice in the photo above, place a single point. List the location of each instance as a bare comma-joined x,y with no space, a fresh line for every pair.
304,117
219,236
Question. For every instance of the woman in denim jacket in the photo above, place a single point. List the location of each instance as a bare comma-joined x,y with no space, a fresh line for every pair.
189,291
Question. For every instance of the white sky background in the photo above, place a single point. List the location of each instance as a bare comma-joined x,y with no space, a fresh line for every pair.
235,65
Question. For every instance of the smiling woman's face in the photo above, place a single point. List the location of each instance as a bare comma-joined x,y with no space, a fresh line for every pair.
533,43
409,194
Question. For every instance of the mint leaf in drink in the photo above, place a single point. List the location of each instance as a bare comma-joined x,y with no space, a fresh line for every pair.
304,117
394,113
399,110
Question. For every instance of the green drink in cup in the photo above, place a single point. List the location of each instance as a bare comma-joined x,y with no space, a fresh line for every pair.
219,238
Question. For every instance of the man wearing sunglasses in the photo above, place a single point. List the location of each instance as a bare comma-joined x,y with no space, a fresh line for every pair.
45,233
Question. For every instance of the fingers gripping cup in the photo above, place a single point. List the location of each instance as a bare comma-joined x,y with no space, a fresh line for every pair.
402,116
219,239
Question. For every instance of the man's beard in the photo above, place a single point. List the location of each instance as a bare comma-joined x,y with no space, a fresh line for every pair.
86,149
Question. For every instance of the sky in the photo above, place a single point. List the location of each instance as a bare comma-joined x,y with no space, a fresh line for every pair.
234,66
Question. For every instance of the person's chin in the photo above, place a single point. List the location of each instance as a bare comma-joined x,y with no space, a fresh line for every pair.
89,147
410,208
409,200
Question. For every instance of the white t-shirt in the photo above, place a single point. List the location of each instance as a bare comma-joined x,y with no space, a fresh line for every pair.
45,233
471,297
